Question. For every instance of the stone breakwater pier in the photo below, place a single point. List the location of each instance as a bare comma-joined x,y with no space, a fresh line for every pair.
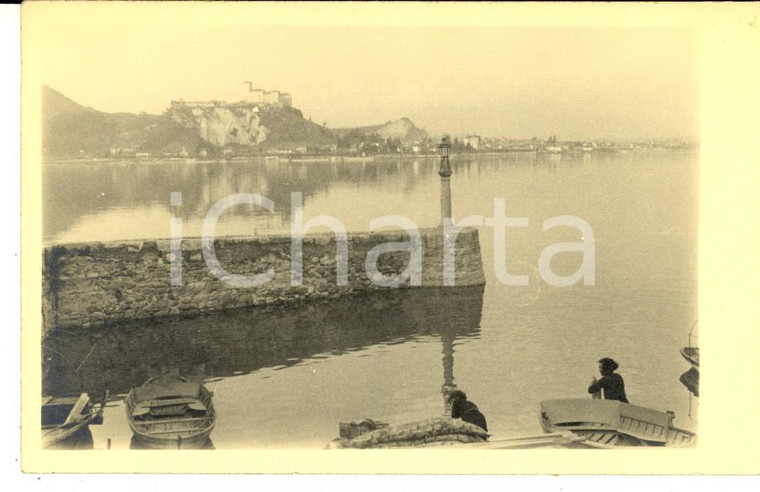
96,284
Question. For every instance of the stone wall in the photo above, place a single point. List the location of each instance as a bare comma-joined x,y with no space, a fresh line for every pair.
95,284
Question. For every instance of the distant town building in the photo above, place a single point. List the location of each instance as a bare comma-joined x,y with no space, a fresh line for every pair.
256,95
473,141
272,97
275,98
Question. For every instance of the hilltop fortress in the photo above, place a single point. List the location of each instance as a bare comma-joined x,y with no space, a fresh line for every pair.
268,97
222,123
255,97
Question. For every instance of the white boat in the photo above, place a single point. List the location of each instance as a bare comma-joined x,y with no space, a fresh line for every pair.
611,423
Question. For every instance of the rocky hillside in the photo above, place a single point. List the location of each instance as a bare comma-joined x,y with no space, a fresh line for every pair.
221,125
71,130
289,129
402,129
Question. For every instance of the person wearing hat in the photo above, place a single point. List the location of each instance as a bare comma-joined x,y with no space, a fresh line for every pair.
466,410
611,384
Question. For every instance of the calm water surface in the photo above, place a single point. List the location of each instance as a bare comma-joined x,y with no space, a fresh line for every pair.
286,377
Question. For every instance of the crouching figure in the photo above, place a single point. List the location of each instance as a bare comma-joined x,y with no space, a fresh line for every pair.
466,410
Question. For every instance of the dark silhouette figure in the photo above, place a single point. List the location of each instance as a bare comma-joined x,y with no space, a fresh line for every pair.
611,383
466,410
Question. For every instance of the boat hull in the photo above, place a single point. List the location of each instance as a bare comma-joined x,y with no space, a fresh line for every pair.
690,379
63,437
691,354
66,420
80,437
611,424
198,440
170,413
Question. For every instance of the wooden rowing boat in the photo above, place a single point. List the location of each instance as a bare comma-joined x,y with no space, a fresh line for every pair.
610,423
169,412
65,420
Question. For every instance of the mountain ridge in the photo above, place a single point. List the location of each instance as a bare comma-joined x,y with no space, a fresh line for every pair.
71,130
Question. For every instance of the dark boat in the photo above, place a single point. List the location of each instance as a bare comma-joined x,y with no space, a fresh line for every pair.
690,379
169,412
610,423
66,420
691,354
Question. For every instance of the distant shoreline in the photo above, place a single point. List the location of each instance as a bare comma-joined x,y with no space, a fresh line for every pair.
345,159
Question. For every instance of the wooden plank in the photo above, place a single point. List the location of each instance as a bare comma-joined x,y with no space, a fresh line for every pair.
538,440
166,403
591,428
196,430
553,435
170,421
46,399
609,437
76,410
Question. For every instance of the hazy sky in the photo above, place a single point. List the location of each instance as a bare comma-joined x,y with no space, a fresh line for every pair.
577,83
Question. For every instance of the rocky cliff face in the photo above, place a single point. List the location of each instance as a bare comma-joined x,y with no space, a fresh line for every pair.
402,129
222,125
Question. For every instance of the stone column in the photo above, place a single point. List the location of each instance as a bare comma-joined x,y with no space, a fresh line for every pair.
445,173
445,198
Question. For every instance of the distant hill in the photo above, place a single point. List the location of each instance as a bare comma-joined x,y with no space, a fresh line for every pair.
289,129
54,104
402,129
71,130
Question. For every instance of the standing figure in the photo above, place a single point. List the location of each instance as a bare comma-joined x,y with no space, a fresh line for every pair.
466,410
611,383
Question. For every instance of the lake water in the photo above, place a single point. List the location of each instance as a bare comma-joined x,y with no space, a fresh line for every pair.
287,377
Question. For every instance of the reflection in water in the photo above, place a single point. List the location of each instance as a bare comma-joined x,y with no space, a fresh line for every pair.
74,193
239,352
246,340
311,366
448,371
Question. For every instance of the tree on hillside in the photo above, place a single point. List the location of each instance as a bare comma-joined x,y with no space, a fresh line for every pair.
354,138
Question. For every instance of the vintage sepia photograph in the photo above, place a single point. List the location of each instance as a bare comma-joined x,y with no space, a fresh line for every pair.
266,229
